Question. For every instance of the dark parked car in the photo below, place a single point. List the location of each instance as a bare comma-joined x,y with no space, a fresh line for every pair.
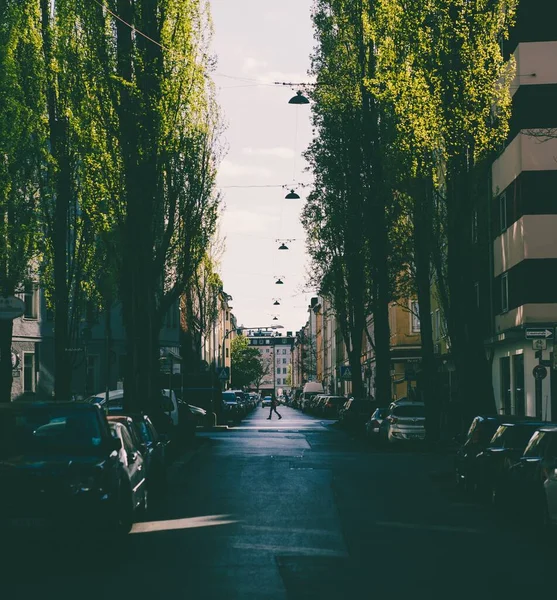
479,435
133,464
531,485
504,450
232,410
150,444
355,413
374,424
59,466
332,405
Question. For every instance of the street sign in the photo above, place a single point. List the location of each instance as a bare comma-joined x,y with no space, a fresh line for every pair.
540,332
11,308
345,372
224,373
539,344
539,372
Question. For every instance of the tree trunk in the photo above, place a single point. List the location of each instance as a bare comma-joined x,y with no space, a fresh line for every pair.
62,193
423,238
6,329
467,349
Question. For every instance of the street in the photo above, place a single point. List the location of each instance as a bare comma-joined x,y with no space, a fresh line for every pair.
296,509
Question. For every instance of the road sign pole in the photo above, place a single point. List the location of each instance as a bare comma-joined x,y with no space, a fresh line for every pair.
538,383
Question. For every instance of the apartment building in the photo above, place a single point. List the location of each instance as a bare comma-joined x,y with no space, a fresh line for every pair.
524,222
276,355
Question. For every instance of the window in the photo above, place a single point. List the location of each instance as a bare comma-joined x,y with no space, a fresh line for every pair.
518,372
504,292
475,226
267,341
227,316
284,361
284,351
227,352
505,370
503,211
28,372
30,298
266,350
284,371
279,380
415,316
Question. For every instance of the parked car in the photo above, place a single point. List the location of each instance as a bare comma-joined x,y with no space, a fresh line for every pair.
170,405
332,405
146,439
232,411
531,486
482,429
266,402
405,422
134,466
374,424
59,466
504,449
355,413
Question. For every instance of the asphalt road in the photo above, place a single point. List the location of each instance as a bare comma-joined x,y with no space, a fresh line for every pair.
296,509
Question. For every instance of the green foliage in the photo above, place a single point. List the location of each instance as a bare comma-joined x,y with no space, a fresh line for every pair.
247,365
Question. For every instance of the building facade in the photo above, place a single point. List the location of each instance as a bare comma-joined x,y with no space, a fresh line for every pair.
524,221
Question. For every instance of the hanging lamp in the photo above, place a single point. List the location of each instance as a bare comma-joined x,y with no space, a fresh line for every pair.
299,98
292,195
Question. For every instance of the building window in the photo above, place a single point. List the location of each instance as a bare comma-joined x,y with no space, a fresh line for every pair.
505,370
415,316
504,292
475,226
279,381
227,316
284,371
284,361
227,353
267,341
267,350
518,373
28,372
284,351
30,298
503,211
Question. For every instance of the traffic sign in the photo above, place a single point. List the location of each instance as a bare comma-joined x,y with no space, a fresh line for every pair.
11,308
539,344
224,373
540,332
345,372
539,372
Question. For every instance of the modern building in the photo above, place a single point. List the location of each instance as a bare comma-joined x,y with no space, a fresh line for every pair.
524,222
276,356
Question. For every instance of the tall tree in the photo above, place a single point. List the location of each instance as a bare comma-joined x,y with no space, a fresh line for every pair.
22,133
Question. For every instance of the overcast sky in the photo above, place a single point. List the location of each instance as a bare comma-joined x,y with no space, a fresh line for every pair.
258,42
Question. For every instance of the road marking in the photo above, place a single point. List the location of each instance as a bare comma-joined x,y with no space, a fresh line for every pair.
291,550
425,527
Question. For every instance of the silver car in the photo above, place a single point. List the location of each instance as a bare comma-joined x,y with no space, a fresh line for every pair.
404,423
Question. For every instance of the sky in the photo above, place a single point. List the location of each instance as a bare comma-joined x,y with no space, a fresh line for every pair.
257,42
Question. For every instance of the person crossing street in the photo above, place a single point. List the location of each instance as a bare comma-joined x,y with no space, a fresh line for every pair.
274,404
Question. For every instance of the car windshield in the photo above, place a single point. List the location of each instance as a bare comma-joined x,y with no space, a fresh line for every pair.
49,430
520,435
409,411
229,397
535,447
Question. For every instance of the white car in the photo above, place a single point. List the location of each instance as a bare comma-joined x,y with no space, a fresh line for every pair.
404,423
